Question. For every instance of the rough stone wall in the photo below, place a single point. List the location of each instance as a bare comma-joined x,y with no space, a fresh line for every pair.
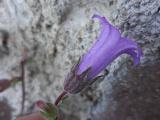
57,32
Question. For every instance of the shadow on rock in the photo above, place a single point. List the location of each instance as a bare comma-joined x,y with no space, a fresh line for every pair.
5,110
135,97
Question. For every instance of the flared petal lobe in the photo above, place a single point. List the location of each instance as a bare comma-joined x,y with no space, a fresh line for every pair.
131,48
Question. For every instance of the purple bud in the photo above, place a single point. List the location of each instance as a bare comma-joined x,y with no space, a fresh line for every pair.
109,46
4,84
40,104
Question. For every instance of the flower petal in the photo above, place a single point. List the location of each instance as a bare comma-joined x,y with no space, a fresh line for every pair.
104,34
129,47
108,38
122,46
135,55
101,19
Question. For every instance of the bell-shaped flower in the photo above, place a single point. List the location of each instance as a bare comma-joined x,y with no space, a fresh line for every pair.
108,46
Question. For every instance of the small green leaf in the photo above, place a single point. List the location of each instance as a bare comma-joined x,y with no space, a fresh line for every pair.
15,82
50,112
30,61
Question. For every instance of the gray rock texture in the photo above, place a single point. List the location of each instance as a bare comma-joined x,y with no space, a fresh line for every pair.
56,33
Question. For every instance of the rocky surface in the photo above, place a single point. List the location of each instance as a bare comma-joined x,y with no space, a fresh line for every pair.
56,33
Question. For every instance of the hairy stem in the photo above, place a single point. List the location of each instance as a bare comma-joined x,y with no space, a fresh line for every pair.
23,85
58,100
60,97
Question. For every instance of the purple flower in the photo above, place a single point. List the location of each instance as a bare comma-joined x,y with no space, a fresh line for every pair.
4,84
109,46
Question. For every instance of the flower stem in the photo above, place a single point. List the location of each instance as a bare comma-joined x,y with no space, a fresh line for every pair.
23,84
60,97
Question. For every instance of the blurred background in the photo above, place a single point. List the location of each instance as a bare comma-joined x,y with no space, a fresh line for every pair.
56,33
